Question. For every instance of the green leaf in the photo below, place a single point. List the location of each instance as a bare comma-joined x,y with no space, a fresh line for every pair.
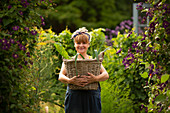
1,15
144,75
168,93
61,50
160,98
12,106
96,53
7,21
164,78
76,63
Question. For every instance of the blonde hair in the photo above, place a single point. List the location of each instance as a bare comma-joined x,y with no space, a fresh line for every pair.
81,38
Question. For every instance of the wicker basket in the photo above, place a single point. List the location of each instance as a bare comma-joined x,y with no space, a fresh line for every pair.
83,66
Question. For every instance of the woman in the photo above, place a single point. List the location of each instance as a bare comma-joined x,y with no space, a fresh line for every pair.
82,101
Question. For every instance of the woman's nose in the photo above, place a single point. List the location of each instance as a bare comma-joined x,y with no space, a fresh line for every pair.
81,44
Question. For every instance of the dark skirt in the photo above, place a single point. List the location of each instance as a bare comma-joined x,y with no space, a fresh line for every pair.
83,101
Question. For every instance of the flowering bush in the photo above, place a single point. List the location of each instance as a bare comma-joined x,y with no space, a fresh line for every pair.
124,27
17,41
150,54
122,78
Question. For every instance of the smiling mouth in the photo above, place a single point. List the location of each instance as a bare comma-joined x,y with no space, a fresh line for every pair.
81,48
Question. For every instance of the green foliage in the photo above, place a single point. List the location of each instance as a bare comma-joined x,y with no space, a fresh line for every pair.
92,14
97,41
150,55
61,50
115,97
113,63
45,62
17,41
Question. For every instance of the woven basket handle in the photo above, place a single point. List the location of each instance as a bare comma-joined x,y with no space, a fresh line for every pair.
101,55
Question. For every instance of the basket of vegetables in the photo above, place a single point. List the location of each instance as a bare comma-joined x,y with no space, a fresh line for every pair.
75,67
80,67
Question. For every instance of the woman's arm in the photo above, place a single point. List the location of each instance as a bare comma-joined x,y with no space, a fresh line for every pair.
102,77
62,75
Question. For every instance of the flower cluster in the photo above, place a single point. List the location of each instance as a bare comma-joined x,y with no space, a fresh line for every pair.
124,27
9,45
128,60
24,3
139,6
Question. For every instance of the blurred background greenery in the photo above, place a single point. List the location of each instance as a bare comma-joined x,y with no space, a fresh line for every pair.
89,13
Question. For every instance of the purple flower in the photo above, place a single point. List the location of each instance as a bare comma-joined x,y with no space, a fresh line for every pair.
152,66
117,28
128,60
20,12
28,54
129,50
26,28
31,62
143,44
142,107
134,45
129,22
119,51
139,6
146,109
15,28
22,47
0,20
148,48
12,41
113,31
127,26
143,39
42,19
43,23
149,12
15,55
137,51
160,109
24,3
5,47
122,27
26,62
20,66
17,42
129,34
143,19
122,23
9,7
4,41
51,1
33,32
107,30
165,24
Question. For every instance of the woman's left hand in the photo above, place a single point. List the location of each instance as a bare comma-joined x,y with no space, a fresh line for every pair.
91,78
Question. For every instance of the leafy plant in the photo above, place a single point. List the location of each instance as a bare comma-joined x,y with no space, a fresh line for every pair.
17,41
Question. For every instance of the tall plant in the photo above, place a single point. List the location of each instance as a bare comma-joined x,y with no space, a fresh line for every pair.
151,56
17,40
129,80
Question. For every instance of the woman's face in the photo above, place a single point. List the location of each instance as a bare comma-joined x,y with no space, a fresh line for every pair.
81,47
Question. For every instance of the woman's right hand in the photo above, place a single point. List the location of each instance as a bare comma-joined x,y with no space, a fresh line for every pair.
79,81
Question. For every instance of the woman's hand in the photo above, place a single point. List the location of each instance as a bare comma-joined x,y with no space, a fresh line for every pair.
91,78
78,80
